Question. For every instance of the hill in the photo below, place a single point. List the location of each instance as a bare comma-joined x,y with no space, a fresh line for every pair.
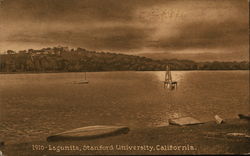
62,59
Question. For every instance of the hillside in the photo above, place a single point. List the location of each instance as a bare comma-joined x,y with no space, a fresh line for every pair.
61,59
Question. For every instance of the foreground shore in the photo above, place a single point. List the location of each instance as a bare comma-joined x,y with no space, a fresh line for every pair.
208,138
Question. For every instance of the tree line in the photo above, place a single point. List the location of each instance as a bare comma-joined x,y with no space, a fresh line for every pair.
61,59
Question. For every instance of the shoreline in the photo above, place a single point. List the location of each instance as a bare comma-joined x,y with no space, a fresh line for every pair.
207,138
116,71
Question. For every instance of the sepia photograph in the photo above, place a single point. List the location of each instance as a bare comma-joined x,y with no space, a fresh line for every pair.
124,77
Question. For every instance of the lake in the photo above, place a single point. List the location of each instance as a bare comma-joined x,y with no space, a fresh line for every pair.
34,106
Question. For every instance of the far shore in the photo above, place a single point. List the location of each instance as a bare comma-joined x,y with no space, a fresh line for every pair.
48,72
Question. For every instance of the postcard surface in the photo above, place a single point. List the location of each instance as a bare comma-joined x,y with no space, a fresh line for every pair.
115,77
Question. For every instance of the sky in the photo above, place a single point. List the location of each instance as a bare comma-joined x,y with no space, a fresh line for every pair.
200,30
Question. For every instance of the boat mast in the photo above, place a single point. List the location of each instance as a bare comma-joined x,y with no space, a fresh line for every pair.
168,76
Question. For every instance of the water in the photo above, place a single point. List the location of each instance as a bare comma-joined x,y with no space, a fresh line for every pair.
34,106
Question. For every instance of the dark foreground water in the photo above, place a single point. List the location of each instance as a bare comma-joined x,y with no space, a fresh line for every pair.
34,106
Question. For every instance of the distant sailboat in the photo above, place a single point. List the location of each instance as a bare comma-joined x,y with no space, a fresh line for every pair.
85,81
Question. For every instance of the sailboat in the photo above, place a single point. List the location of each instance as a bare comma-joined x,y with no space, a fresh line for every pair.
84,81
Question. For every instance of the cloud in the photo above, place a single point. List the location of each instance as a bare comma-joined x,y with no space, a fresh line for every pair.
206,34
102,38
231,55
73,10
131,26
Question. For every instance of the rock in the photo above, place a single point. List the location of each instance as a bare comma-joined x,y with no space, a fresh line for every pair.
227,135
242,116
238,135
218,119
184,121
